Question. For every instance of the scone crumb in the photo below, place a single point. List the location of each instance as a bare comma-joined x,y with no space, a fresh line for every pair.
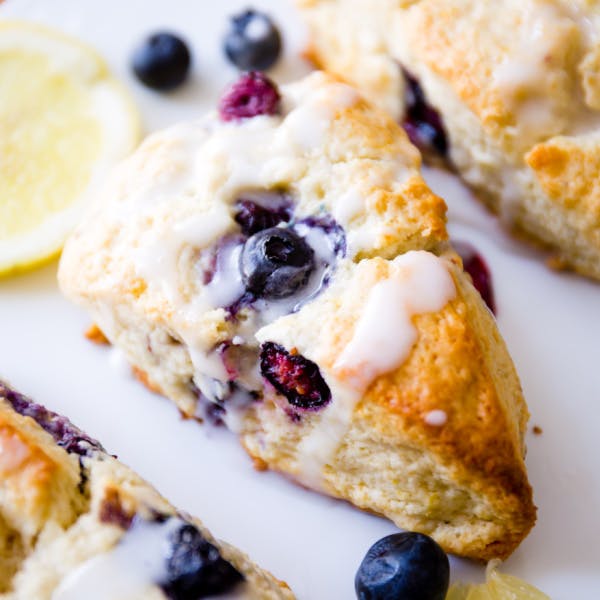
537,430
96,336
557,263
112,510
259,464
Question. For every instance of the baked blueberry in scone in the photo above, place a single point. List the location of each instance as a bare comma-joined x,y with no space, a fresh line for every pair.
513,87
281,267
76,523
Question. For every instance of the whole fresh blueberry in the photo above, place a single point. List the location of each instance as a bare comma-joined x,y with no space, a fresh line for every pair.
403,566
253,43
294,376
162,61
252,95
195,568
275,263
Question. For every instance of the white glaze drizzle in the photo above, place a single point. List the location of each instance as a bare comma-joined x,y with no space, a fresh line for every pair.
383,338
129,570
157,258
542,27
526,69
385,333
436,418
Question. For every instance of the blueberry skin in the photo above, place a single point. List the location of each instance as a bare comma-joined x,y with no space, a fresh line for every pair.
252,218
477,268
403,566
253,43
422,122
252,95
162,61
195,568
295,377
275,263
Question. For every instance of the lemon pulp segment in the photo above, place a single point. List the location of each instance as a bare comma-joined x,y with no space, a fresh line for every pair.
64,121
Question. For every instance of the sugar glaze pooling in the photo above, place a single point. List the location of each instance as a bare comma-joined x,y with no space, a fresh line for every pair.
130,569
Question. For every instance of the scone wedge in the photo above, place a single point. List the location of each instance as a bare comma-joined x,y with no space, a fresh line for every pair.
288,273
76,523
516,86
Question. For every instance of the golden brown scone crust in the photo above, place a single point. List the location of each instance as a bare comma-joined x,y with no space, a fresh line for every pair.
516,84
59,509
464,482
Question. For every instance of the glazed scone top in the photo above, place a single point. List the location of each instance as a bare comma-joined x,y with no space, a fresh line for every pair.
156,220
525,68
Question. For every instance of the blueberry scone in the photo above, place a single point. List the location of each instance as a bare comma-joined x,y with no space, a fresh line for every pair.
510,90
76,523
281,267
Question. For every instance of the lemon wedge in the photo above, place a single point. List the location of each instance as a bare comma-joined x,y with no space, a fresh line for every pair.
498,586
64,121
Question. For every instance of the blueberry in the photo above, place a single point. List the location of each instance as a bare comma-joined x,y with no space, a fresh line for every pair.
65,434
195,568
162,61
403,566
253,94
253,217
294,376
253,43
275,263
480,274
422,122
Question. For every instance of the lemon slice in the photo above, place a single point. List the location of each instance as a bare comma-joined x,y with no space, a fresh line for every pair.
497,587
64,121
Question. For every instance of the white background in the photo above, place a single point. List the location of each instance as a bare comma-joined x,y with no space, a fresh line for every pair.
551,323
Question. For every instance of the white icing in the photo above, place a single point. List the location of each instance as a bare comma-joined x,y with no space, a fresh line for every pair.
523,77
385,334
157,258
318,447
130,569
436,418
226,286
382,340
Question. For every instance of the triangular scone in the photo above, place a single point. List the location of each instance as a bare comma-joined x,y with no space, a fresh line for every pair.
218,233
72,518
516,85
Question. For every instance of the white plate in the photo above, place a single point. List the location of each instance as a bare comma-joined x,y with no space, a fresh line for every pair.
551,323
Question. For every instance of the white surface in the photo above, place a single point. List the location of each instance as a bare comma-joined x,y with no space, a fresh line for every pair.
550,322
